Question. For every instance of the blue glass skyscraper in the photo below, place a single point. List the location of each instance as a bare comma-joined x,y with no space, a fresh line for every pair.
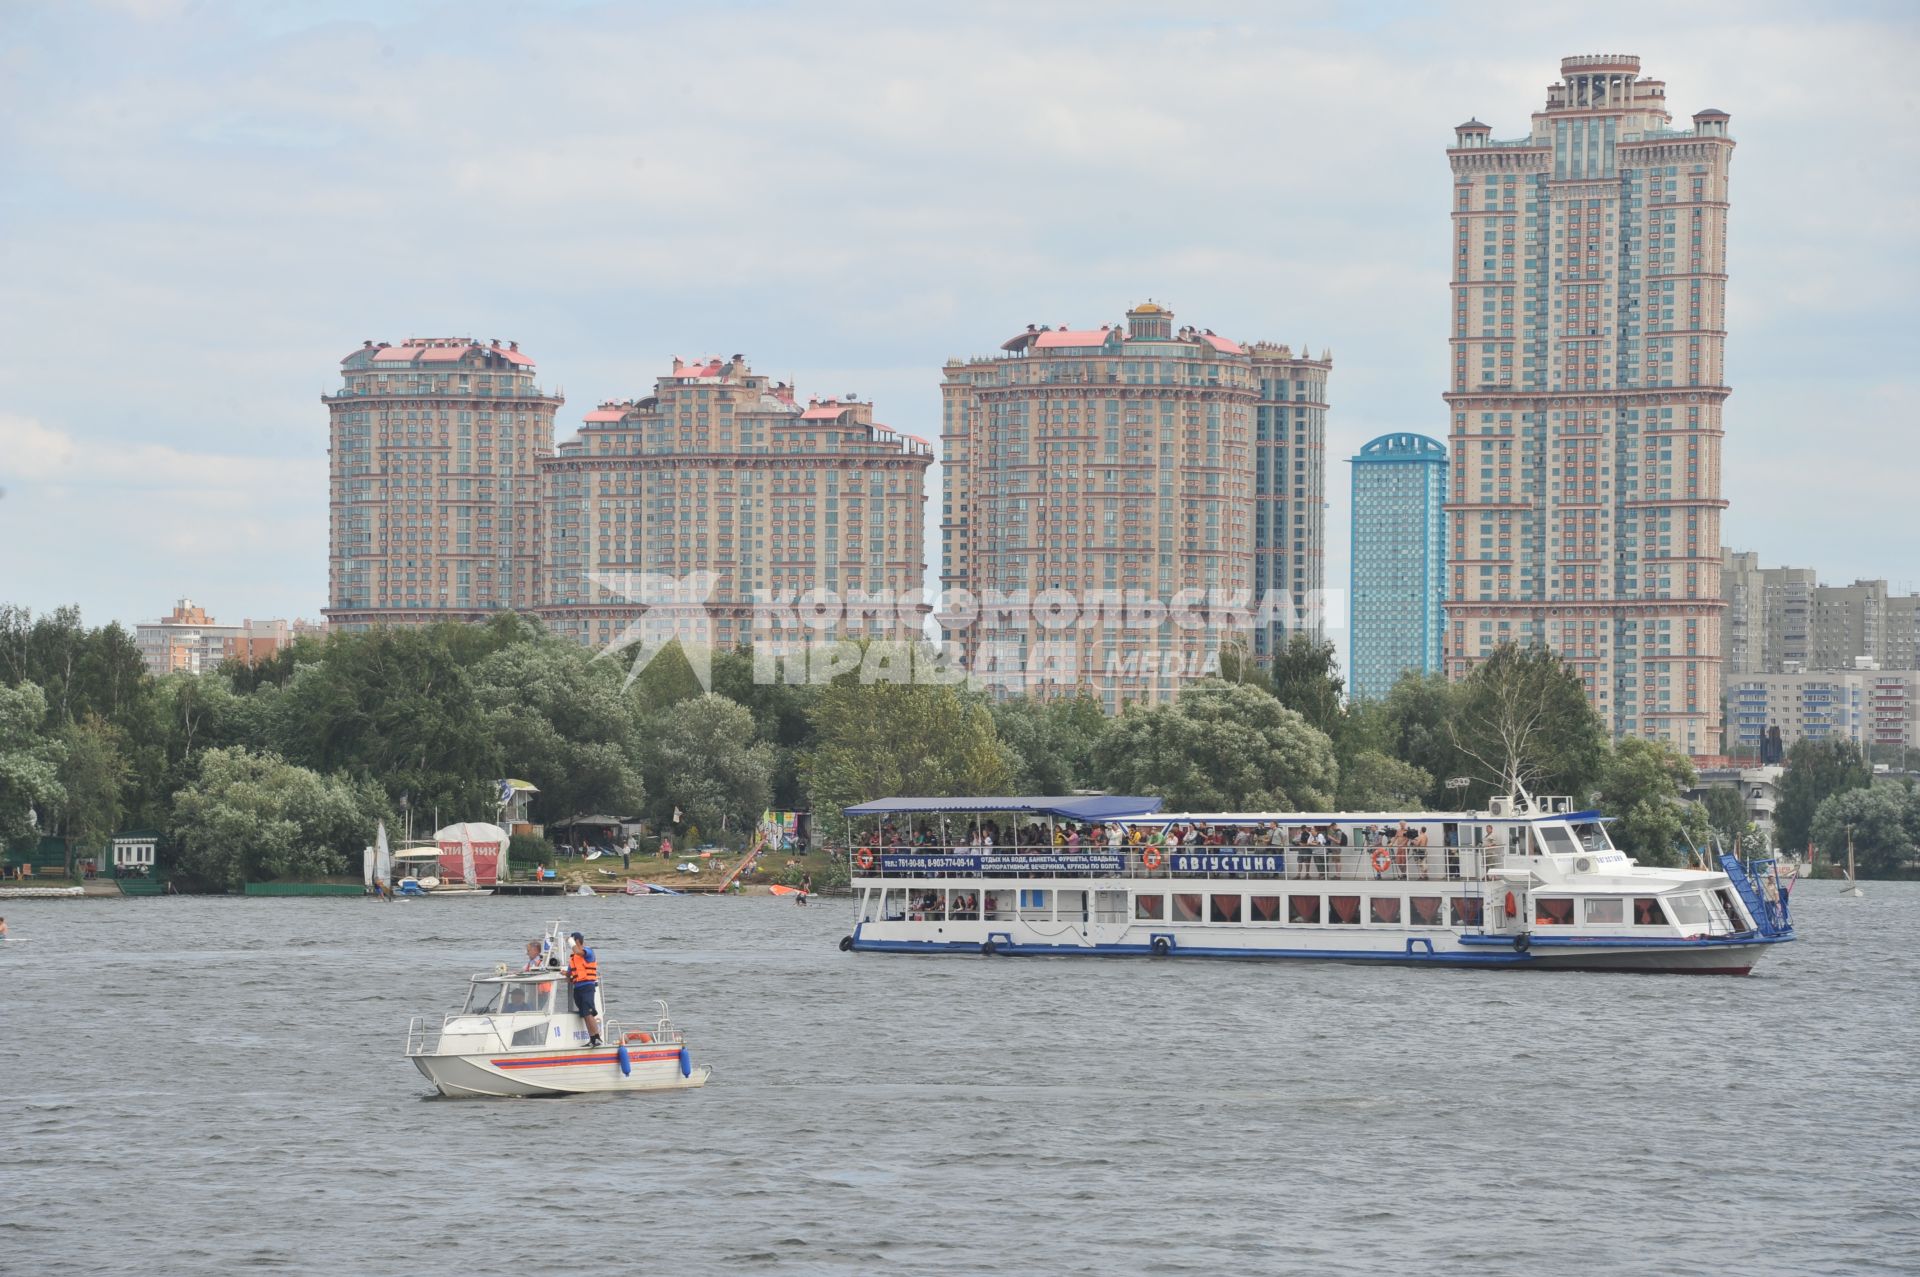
1399,561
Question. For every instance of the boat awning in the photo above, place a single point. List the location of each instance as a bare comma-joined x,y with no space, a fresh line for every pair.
1067,806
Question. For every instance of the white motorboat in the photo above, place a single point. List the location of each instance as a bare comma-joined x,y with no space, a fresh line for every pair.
518,1035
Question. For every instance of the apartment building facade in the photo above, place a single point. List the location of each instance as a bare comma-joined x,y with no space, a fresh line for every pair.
1586,381
1869,707
720,492
434,509
1138,461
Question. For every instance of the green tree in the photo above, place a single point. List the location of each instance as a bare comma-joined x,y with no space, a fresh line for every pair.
29,765
1643,787
1816,770
1727,814
563,721
398,706
780,716
1052,742
884,740
1220,747
82,671
94,775
705,761
1305,677
1373,781
1417,727
1525,723
1884,821
253,817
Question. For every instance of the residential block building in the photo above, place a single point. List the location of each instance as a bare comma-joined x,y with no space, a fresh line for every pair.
1769,615
1399,554
1586,380
1866,706
434,507
1137,460
1783,618
189,641
721,471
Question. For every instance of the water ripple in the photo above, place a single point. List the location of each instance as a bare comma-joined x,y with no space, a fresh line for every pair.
227,1093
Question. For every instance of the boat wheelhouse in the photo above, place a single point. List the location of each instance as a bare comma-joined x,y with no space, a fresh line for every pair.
1526,884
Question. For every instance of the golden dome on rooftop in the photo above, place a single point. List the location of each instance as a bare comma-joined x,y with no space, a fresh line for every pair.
1149,308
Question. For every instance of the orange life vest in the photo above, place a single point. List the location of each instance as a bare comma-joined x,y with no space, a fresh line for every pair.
583,970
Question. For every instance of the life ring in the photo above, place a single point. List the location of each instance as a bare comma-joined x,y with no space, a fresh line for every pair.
864,858
1382,859
634,1035
1151,858
1512,909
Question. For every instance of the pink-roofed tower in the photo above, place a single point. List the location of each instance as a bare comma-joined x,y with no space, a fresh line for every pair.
434,504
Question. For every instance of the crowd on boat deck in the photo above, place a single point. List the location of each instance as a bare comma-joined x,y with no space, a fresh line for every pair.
1327,850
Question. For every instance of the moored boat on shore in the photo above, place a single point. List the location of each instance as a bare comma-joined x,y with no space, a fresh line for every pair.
1528,884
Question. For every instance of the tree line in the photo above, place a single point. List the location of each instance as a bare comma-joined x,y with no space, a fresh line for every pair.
281,768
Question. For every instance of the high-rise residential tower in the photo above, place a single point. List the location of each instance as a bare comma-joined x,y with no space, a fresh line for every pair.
1588,321
722,472
1142,462
435,510
1398,561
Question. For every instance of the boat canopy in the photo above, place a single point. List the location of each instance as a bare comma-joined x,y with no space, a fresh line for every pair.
1091,807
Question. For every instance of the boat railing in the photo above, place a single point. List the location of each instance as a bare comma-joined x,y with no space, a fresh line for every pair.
1285,862
423,1035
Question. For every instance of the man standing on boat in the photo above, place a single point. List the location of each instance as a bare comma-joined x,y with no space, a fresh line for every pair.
584,972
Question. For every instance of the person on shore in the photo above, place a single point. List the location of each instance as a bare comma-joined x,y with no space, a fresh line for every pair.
583,970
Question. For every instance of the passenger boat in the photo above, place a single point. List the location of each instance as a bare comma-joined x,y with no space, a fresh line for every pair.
1527,884
518,1035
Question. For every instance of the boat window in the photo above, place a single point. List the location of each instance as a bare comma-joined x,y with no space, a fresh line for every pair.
1423,911
1551,912
532,1035
1593,836
1558,838
1303,909
1186,908
1606,911
1034,900
1736,916
1263,909
1151,908
1224,909
485,998
526,997
1384,909
1689,910
1468,911
893,904
1343,910
1646,912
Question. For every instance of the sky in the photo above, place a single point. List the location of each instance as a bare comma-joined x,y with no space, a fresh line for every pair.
206,204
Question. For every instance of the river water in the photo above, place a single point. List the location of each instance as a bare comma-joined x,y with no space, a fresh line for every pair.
212,1085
